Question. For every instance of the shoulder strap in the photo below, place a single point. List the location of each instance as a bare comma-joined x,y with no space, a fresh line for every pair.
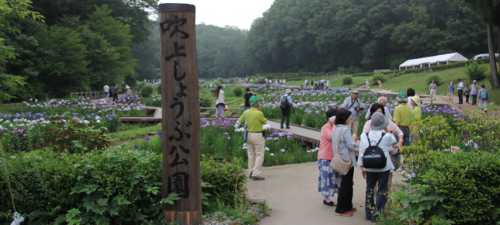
368,138
381,137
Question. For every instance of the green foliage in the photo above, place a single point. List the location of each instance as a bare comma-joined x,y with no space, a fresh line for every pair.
61,137
347,81
475,71
376,78
321,36
436,133
227,145
436,79
238,91
147,91
452,188
64,63
119,186
222,51
223,183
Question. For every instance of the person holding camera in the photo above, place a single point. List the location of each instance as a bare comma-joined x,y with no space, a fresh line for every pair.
355,106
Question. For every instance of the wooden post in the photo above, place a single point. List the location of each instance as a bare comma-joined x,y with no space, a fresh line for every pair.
181,113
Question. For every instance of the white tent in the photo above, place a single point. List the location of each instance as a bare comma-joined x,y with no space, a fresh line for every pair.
428,62
485,56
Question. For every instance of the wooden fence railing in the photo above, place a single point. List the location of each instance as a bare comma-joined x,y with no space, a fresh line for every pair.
88,94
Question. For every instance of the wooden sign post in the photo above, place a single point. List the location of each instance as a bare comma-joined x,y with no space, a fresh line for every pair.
181,113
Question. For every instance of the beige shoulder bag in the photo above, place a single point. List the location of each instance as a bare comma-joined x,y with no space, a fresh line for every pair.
338,164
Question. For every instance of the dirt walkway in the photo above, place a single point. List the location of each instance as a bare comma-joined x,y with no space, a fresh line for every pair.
291,193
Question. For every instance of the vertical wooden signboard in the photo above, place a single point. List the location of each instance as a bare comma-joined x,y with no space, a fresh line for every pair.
181,114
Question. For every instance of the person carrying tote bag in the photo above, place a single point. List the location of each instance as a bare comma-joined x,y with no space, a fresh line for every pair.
343,161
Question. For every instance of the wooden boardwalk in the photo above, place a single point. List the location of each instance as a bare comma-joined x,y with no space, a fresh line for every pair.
305,134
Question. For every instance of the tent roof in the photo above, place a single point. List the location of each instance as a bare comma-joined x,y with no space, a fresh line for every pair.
456,57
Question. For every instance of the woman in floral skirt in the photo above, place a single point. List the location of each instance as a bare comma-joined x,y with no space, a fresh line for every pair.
326,181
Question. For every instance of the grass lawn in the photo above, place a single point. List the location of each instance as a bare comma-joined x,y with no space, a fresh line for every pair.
418,81
335,80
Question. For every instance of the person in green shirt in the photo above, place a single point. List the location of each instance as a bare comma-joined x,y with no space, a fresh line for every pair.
255,120
403,117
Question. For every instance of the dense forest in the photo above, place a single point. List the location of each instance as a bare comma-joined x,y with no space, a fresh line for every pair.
325,35
59,46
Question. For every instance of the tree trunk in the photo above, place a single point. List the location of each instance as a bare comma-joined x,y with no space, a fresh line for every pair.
491,49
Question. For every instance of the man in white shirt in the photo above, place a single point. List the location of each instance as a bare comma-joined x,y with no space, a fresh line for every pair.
106,91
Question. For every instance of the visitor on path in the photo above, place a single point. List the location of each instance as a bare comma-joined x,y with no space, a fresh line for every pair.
378,143
355,107
254,120
114,93
106,90
460,92
247,96
403,117
483,98
345,148
128,90
391,128
466,92
382,100
220,104
433,90
474,92
327,185
286,106
451,91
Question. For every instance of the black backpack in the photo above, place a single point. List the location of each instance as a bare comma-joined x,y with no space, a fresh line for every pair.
284,104
374,157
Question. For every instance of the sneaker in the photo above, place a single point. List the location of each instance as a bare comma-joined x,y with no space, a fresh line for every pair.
257,178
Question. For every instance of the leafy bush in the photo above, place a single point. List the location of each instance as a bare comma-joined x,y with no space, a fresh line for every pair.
376,78
435,78
119,186
238,91
347,81
453,188
61,137
147,91
475,71
206,101
436,133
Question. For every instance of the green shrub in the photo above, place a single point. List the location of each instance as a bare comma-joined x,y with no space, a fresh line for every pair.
376,78
347,81
120,186
238,91
458,188
475,71
435,78
70,137
147,91
436,133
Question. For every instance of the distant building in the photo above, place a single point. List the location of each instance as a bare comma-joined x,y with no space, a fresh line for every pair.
485,56
431,61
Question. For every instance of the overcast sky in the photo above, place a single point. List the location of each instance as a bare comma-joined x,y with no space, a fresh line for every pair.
238,13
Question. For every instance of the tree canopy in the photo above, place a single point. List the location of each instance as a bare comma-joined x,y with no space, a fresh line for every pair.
327,35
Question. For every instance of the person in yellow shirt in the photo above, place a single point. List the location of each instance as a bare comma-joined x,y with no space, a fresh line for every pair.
417,111
403,117
255,120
